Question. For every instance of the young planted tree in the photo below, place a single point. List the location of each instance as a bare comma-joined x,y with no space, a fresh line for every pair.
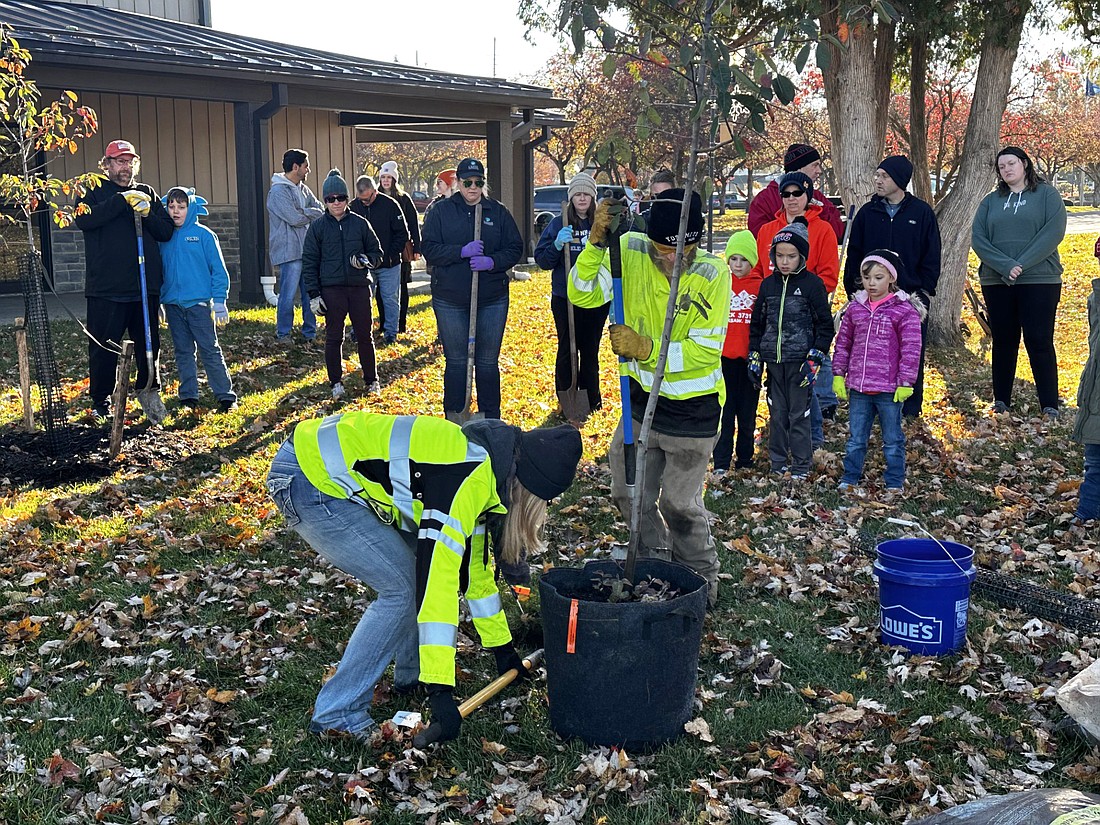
30,131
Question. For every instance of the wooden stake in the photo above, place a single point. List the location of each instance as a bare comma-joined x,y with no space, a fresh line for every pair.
24,372
119,398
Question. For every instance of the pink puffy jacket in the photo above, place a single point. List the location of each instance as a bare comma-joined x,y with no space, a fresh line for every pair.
878,351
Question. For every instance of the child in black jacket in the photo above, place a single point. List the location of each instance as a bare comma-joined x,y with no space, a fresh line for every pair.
790,331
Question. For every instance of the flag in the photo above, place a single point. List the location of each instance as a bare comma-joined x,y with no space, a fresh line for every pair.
1091,89
1066,64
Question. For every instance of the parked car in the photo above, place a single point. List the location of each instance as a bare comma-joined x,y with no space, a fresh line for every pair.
420,200
549,198
732,202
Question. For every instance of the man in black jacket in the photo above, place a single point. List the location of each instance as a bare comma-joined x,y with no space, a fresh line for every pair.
896,220
387,220
112,283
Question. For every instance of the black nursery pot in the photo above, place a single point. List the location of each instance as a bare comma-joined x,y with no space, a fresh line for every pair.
630,680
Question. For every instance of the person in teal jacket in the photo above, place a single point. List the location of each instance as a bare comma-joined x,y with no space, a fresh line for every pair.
196,287
1015,235
419,509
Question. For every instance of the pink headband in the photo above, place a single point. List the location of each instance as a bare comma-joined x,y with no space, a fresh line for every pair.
876,259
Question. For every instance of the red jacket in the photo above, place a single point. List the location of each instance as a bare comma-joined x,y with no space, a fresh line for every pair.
824,259
742,296
768,201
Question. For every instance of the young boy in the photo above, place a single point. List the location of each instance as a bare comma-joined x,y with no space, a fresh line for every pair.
196,285
742,395
790,331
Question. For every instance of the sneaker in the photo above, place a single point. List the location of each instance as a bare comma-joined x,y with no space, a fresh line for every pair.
389,340
190,403
1050,412
337,391
286,342
227,406
374,388
999,407
845,485
101,412
828,413
799,476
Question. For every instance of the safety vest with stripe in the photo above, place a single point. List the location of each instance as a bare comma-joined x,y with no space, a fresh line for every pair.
694,365
424,477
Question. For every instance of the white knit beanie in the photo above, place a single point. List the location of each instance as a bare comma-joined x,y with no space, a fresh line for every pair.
390,168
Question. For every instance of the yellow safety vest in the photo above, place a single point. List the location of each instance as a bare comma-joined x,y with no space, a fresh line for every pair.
423,476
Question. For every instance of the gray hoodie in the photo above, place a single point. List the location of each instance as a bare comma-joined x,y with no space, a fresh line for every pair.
1021,229
291,208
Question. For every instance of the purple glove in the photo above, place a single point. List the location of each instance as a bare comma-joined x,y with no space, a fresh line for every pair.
481,263
472,248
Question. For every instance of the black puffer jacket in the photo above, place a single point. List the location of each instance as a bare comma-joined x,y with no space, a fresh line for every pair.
386,218
790,317
328,248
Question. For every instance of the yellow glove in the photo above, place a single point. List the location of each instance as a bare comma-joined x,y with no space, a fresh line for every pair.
901,393
626,343
608,213
138,200
839,387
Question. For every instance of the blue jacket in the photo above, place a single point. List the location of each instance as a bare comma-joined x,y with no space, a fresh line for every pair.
194,270
448,228
913,234
547,256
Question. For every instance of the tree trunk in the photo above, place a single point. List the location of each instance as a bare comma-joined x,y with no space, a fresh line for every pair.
1004,26
918,117
857,88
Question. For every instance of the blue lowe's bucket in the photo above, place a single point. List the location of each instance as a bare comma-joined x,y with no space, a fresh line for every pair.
924,594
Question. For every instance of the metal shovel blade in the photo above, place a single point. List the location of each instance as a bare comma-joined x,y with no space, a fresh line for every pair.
462,416
152,405
574,405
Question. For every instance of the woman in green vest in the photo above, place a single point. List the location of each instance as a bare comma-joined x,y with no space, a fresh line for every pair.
412,506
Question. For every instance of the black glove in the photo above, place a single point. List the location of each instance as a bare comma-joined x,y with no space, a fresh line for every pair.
444,711
507,658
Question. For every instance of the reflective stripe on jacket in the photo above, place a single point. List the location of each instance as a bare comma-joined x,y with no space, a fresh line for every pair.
694,365
424,477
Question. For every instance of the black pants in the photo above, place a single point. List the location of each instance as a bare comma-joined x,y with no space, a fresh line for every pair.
107,321
913,404
789,444
1027,309
351,302
588,328
406,279
738,415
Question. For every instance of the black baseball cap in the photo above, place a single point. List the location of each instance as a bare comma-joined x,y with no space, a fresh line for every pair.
470,168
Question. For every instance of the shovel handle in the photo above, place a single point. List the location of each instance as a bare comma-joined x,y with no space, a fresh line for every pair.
618,312
434,731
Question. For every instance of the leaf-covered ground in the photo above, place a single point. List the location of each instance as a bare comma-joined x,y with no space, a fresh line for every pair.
162,637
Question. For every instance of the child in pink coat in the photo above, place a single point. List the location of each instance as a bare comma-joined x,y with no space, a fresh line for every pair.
875,361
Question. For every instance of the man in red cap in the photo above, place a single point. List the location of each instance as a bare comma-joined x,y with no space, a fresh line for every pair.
112,283
765,207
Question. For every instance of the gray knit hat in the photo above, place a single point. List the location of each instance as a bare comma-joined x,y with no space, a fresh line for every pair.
797,234
582,182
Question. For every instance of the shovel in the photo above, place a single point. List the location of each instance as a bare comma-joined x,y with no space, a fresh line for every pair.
466,414
619,317
574,404
148,396
432,733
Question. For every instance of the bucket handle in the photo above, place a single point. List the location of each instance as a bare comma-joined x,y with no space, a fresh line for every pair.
685,614
913,523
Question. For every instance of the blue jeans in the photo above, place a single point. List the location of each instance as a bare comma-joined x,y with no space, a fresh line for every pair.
822,396
352,538
1088,501
290,285
453,322
389,291
862,409
193,328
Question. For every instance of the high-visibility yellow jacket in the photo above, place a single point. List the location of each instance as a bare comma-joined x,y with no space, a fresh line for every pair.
423,476
694,365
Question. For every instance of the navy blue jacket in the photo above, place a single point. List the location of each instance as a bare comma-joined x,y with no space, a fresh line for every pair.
913,234
548,256
448,228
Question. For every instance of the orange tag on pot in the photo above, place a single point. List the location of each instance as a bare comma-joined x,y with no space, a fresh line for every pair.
571,636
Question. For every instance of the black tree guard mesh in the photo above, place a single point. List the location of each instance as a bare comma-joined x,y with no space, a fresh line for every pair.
46,375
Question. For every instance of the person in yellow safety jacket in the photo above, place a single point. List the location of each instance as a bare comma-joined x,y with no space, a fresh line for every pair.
692,393
412,506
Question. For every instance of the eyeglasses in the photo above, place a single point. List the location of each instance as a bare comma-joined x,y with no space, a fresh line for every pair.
336,199
795,194
475,182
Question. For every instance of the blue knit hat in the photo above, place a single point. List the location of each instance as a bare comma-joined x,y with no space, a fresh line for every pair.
334,185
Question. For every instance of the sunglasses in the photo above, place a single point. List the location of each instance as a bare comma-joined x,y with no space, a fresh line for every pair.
336,199
476,182
795,194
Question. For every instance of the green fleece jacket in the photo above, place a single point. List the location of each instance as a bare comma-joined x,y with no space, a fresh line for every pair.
1020,229
1086,429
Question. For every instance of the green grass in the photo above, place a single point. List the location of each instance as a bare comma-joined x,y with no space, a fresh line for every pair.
180,632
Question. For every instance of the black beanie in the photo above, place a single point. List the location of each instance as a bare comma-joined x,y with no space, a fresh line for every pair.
887,258
797,234
663,223
899,168
548,458
799,155
801,180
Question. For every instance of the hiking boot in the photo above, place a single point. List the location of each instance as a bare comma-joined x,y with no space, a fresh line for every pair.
999,407
285,342
227,406
337,390
190,403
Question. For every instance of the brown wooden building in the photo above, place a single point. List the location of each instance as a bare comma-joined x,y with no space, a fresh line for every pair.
216,111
